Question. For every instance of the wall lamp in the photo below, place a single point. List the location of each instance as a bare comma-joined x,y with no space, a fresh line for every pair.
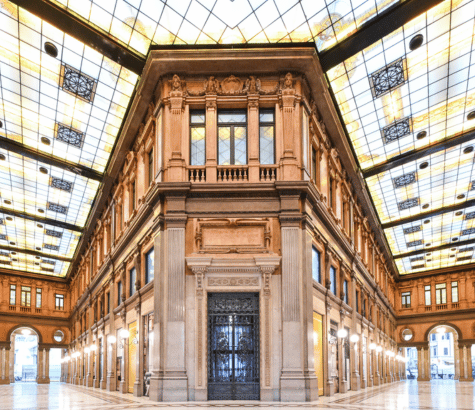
354,338
342,333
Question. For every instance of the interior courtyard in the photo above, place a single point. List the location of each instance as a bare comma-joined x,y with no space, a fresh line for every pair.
218,203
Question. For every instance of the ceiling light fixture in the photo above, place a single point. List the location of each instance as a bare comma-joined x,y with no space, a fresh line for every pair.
461,196
424,165
45,141
7,201
416,42
427,221
421,135
2,157
458,213
425,206
455,239
51,49
468,150
471,115
43,170
9,218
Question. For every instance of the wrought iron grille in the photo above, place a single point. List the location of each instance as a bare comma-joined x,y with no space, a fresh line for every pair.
387,78
470,215
49,261
69,135
404,180
57,208
77,83
61,184
414,243
51,247
417,258
53,233
397,130
408,203
412,229
3,237
233,346
468,231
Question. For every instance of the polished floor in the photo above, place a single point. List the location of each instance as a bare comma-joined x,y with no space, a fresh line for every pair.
407,395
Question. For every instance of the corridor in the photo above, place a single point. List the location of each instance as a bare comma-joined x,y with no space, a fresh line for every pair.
404,395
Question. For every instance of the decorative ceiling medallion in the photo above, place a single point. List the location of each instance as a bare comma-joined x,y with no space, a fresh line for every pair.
396,130
404,180
3,253
387,78
468,231
53,233
412,229
61,184
77,83
414,243
408,203
51,247
69,135
57,208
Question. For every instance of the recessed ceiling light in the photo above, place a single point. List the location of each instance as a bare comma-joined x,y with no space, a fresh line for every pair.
13,253
1,124
38,248
453,249
425,206
43,170
7,201
468,150
2,157
452,256
41,211
458,213
37,257
428,253
52,50
471,115
9,218
455,239
416,42
37,264
461,196
427,221
45,141
429,260
424,165
421,135
428,244
39,226
12,243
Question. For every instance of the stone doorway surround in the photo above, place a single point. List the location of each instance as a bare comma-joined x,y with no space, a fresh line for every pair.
230,274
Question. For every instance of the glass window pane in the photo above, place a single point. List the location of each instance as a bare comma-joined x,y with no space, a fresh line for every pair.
232,117
150,266
132,281
266,117
224,145
316,265
266,144
240,146
197,118
197,146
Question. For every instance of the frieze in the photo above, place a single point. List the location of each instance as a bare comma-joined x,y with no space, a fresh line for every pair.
239,281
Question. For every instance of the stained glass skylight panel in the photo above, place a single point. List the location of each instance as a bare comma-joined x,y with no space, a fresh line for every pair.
29,263
42,96
436,94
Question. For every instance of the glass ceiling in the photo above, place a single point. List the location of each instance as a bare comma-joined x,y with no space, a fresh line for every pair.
43,108
397,98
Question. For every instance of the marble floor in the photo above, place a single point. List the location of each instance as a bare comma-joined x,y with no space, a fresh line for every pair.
407,395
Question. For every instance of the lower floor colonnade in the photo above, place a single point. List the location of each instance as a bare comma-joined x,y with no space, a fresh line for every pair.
410,395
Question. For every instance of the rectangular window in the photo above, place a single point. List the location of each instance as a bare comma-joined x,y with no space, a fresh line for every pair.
150,167
149,272
330,193
455,292
59,302
314,164
357,301
333,280
446,351
428,298
266,137
25,299
119,293
134,195
406,299
132,281
441,293
38,298
345,291
197,138
316,275
12,294
232,138
433,337
435,351
108,301
364,307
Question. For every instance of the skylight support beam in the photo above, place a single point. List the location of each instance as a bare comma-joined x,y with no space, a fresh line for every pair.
418,154
78,169
35,253
378,27
46,221
83,32
436,248
456,207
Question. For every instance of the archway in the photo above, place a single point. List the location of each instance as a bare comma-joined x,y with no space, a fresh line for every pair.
442,352
24,342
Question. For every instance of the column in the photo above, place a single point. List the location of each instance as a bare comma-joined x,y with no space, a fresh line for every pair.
95,357
110,348
7,370
176,165
466,363
211,139
377,376
354,347
124,363
253,137
43,365
4,377
139,373
296,382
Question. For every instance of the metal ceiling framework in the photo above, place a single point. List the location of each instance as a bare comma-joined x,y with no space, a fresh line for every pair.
114,42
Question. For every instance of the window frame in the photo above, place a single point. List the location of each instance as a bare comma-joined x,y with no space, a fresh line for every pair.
316,255
232,145
119,292
197,125
25,301
345,292
456,289
39,293
150,166
149,279
132,280
428,291
441,293
406,299
333,280
58,297
12,295
267,124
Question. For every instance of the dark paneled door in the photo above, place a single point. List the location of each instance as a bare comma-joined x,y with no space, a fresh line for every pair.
233,346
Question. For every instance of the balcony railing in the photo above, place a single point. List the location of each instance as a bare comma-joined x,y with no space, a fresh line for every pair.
25,309
428,308
197,174
455,305
268,173
440,307
233,173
